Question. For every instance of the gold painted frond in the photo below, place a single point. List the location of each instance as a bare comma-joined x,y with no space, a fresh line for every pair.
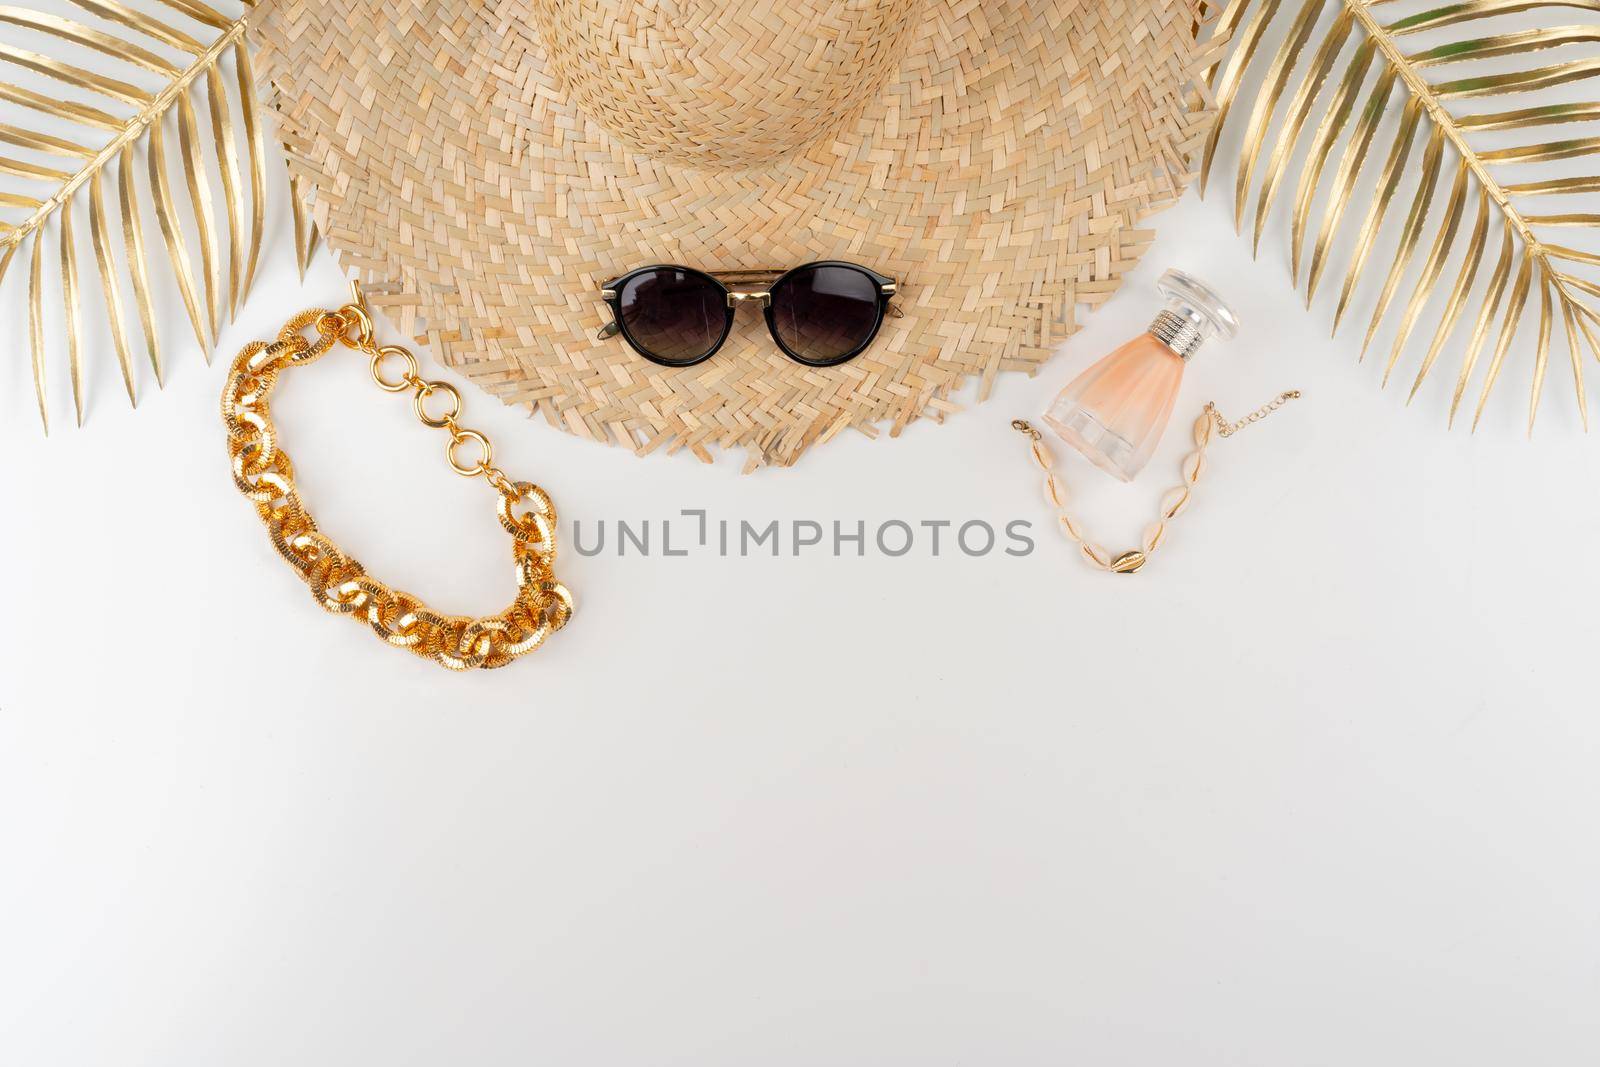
81,99
1407,94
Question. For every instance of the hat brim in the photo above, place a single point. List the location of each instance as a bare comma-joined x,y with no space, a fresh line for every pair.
1000,175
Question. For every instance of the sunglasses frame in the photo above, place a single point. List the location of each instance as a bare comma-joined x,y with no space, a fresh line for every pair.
733,284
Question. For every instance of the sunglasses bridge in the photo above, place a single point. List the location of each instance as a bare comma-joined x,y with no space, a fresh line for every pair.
735,280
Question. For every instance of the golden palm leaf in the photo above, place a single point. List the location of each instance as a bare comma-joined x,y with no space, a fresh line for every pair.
106,84
1417,87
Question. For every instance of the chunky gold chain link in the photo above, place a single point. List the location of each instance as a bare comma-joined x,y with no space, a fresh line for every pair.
263,473
1173,502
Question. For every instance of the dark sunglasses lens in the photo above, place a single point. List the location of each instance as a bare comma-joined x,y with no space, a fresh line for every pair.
676,315
824,313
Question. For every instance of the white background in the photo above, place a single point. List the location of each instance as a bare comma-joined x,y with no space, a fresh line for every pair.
1317,787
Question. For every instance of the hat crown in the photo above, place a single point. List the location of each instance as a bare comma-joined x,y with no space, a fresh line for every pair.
724,84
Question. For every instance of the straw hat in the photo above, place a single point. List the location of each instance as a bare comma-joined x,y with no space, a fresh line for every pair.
486,166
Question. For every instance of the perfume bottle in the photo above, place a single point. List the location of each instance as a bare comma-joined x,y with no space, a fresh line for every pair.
1116,411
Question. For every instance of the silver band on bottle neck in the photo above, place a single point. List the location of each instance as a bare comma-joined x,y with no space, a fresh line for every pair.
1177,333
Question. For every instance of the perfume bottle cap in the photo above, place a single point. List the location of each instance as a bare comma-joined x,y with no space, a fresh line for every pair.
1194,314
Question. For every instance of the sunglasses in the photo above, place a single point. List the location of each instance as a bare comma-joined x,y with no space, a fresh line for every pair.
820,314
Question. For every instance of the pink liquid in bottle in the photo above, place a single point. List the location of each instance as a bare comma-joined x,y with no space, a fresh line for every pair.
1116,411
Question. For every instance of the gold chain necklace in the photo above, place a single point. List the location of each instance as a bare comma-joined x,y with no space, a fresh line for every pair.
263,473
1173,502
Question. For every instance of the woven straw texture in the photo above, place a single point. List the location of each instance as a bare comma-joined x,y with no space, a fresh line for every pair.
485,166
